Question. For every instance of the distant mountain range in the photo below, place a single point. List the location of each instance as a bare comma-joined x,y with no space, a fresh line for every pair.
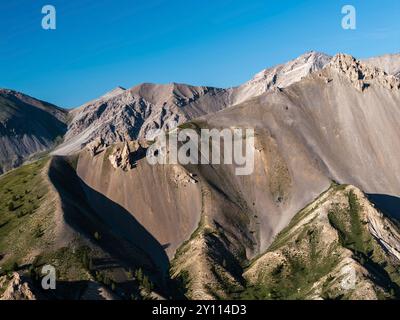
123,114
318,218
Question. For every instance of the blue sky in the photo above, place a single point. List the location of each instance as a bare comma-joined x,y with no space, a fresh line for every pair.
99,45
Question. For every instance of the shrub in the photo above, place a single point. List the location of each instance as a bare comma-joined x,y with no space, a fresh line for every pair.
15,266
97,236
11,206
38,232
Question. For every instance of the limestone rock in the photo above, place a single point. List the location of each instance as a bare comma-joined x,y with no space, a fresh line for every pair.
17,289
182,178
125,155
96,146
361,75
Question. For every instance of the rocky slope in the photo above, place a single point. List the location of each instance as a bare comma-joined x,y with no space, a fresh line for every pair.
336,124
27,126
280,76
338,247
339,123
193,229
16,289
129,114
390,63
122,114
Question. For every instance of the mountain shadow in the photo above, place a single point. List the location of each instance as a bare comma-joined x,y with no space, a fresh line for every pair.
118,232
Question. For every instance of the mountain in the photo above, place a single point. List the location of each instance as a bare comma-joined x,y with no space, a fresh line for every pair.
280,76
122,115
57,225
390,63
27,126
338,247
334,125
317,130
319,211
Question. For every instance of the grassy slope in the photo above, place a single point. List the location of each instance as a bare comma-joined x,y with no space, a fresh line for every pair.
23,216
27,227
28,238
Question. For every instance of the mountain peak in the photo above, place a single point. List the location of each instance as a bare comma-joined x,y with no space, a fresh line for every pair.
295,69
114,92
281,76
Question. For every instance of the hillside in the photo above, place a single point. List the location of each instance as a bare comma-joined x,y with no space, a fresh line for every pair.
47,219
123,115
338,247
114,224
27,126
280,76
390,63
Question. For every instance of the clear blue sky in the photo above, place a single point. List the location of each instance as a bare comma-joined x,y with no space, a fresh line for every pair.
99,45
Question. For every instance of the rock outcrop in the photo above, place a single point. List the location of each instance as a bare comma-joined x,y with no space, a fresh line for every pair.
125,115
390,63
124,155
280,76
17,288
96,146
121,158
361,74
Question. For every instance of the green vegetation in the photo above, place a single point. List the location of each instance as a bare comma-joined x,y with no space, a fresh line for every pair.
97,236
24,212
301,258
144,282
352,233
355,236
285,235
70,263
304,262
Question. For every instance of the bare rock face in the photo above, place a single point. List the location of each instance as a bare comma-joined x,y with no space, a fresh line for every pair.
124,155
120,158
182,177
18,289
360,74
124,115
280,76
390,63
96,146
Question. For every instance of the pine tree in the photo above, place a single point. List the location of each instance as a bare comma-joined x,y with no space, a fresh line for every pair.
139,275
97,236
11,206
